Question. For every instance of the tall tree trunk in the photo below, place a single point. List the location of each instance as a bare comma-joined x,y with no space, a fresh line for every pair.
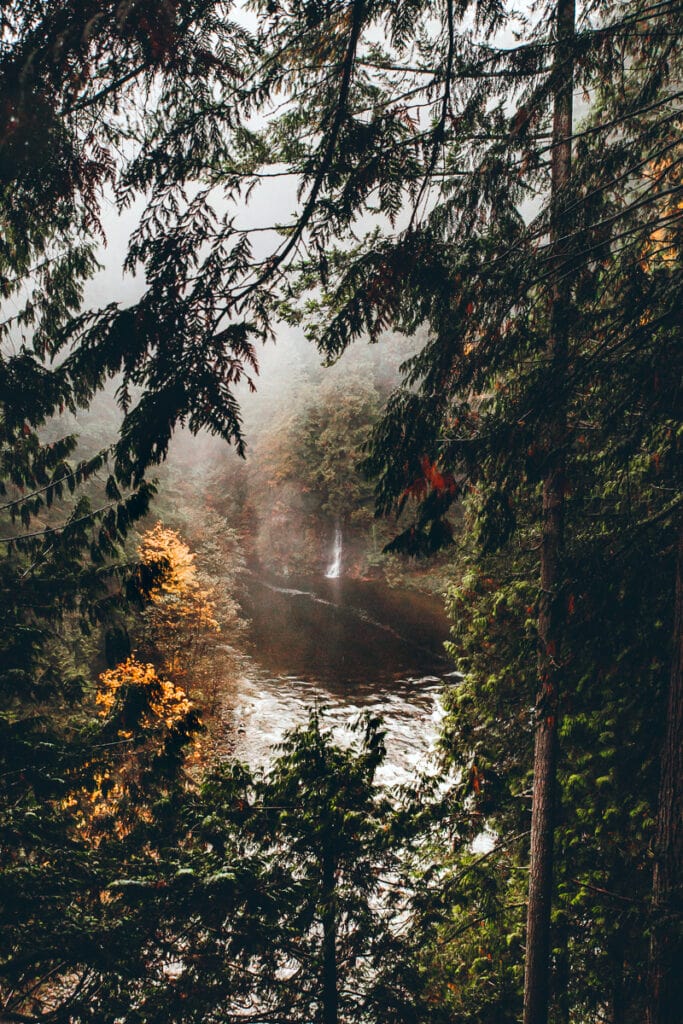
666,947
330,994
551,612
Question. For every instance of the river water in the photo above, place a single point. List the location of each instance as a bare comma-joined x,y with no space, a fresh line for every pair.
344,646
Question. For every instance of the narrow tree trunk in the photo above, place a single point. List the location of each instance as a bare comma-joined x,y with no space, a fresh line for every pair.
330,994
666,948
551,612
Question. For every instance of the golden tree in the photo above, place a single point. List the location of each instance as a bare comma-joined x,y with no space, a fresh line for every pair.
148,725
181,631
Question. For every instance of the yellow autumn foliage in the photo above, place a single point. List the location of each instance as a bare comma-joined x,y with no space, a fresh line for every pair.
103,807
164,548
181,618
169,702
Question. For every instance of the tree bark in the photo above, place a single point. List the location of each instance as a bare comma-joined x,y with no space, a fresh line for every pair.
665,1003
551,612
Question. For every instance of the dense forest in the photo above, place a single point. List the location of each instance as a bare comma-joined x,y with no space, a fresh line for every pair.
380,289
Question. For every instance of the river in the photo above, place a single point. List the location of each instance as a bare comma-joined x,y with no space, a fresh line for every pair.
346,646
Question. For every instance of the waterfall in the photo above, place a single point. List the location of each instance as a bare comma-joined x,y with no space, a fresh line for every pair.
334,570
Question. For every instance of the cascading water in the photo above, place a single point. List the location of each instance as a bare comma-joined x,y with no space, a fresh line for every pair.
334,570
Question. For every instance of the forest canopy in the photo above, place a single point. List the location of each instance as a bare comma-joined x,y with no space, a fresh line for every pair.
504,186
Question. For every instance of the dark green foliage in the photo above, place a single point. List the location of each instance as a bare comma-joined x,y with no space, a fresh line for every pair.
82,805
317,829
74,77
282,896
